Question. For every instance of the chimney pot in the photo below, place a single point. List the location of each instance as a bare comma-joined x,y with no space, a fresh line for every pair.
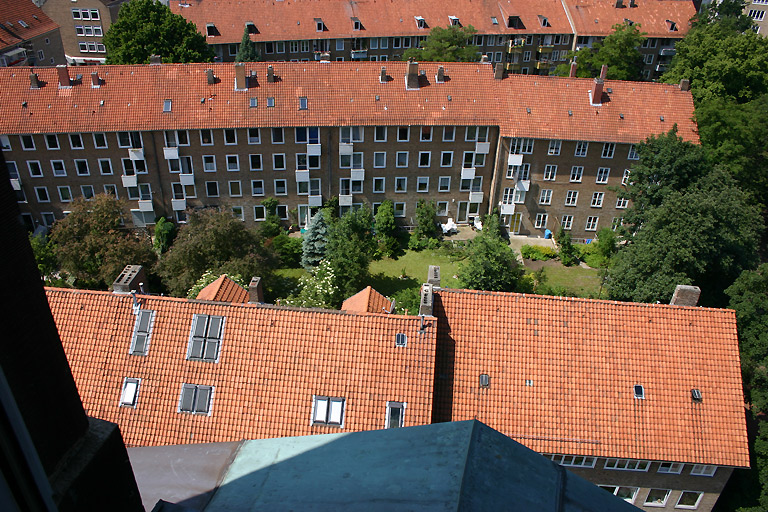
603,71
155,60
685,295
255,291
685,84
34,83
64,80
383,75
573,69
440,78
95,80
498,72
240,82
270,73
210,76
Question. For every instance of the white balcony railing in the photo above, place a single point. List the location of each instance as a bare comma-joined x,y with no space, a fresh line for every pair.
515,160
302,176
468,173
345,148
16,183
130,181
345,200
315,201
357,174
523,185
507,209
482,148
187,179
178,204
475,197
136,153
171,153
314,149
146,205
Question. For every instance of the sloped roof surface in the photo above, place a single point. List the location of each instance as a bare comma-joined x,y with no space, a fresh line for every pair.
597,17
15,12
366,300
583,359
341,94
271,362
224,289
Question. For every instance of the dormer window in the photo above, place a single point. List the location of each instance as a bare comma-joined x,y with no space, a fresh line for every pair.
205,338
672,26
319,25
454,21
544,21
210,30
514,22
401,340
251,27
356,25
420,22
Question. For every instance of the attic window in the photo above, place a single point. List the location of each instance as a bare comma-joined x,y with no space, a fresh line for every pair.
356,25
629,22
319,25
271,101
328,411
454,20
210,29
544,21
195,399
639,392
167,105
672,26
395,412
420,23
205,338
303,103
485,380
254,102
696,395
141,332
401,340
494,20
130,393
514,22
251,27
528,382
23,23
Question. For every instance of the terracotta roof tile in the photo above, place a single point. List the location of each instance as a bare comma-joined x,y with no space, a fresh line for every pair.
14,15
596,17
224,289
367,300
583,359
341,94
272,361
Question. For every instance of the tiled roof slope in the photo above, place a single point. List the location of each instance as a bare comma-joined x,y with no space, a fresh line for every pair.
341,94
584,358
272,361
285,20
367,300
12,12
224,289
596,17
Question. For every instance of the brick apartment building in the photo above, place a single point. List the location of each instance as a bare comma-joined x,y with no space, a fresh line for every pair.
756,9
644,400
529,37
169,138
28,37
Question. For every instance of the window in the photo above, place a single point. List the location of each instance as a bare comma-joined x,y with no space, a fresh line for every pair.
424,158
254,136
58,168
670,467
403,133
597,199
571,460
518,146
130,140
581,149
48,218
195,399
422,184
689,499
270,101
87,191
545,197
444,184
380,159
206,138
212,188
446,158
209,163
278,161
308,135
576,173
235,189
550,172
591,224
566,222
526,57
426,134
378,185
554,147
627,464
130,393
449,133
143,192
255,162
474,185
395,412
633,154
81,166
311,187
27,142
401,184
602,175
380,134
401,159
35,170
328,410
100,140
628,494
205,338
541,220
257,187
472,159
110,189
609,148
703,470
5,143
755,14
233,163
625,177
65,194
281,187
230,136
42,195
399,209
571,197
259,213
52,141
657,498
142,331
351,134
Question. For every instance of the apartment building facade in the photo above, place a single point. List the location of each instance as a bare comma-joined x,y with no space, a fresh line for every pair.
170,138
529,37
756,10
28,37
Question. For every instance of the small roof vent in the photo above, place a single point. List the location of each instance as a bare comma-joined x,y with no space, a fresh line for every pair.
639,392
696,395
485,380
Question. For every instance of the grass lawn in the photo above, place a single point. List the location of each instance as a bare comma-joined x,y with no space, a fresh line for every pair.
386,272
582,282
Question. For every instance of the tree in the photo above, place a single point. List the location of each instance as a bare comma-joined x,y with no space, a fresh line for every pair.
386,229
214,241
164,233
288,248
146,27
319,289
247,51
566,251
313,244
727,12
426,223
271,225
491,264
91,244
446,45
705,235
45,255
619,51
349,252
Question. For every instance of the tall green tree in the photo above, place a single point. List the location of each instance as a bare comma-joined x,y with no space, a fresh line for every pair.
92,245
385,229
491,264
728,12
247,51
314,241
620,51
147,27
45,255
446,45
349,252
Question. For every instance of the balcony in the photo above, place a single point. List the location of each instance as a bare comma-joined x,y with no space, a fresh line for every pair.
169,153
315,201
546,48
345,148
314,149
661,68
357,174
482,148
359,54
543,63
130,181
187,179
468,173
667,51
16,183
524,185
507,209
475,197
302,176
515,160
146,205
178,204
516,45
345,200
514,66
136,153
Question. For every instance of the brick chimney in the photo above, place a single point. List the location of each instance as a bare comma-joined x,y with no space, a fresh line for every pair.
572,74
240,81
64,80
211,78
597,89
685,84
130,279
425,304
498,71
255,291
270,73
155,60
383,75
34,83
685,295
433,275
440,77
95,80
412,76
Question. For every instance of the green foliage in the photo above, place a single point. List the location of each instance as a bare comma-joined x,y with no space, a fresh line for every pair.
446,45
705,235
491,265
318,290
271,225
386,229
146,27
566,251
619,51
407,301
165,231
598,254
247,51
727,12
215,241
289,249
314,241
91,245
419,244
45,255
349,251
426,223
492,227
538,253
208,277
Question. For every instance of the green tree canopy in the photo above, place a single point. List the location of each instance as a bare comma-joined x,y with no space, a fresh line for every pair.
386,228
619,51
45,255
349,252
247,51
92,245
446,45
491,264
147,27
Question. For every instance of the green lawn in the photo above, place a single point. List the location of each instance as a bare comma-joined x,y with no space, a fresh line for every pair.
582,282
414,265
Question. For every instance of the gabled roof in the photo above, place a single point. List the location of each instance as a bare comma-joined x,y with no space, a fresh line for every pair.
341,94
224,289
597,17
366,300
562,375
271,362
286,20
21,20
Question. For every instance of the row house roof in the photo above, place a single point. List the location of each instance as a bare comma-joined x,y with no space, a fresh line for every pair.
22,20
657,18
179,96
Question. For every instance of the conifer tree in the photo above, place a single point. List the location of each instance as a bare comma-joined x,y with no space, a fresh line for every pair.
247,51
314,241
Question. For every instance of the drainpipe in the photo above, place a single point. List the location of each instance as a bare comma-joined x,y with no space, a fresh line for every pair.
495,179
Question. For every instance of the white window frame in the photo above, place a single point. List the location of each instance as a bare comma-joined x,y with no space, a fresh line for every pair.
449,137
627,464
582,148
130,385
671,468
703,470
196,409
566,222
609,149
429,158
554,147
689,507
323,411
577,174
602,175
597,199
541,221
379,185
399,209
422,184
545,196
591,224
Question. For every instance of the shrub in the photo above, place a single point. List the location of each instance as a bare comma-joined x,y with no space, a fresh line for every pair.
289,250
537,252
567,251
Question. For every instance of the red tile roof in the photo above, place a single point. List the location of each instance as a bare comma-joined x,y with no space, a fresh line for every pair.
367,300
224,289
285,20
272,361
596,17
341,94
15,12
583,359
